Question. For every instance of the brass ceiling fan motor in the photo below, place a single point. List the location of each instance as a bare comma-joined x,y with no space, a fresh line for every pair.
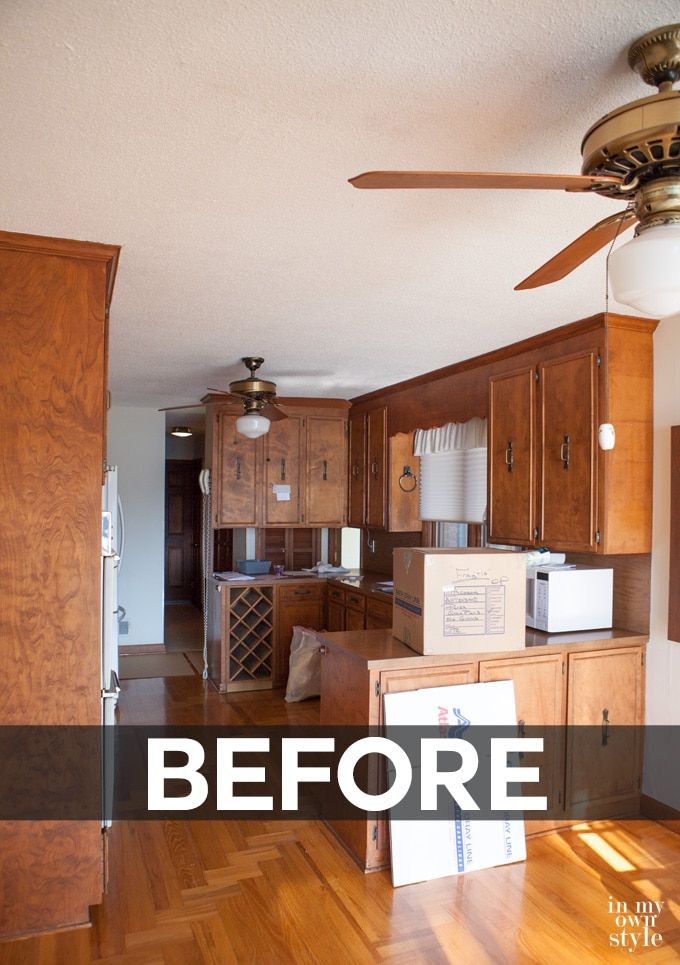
256,393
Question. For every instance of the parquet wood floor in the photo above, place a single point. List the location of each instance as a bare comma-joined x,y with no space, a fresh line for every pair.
188,893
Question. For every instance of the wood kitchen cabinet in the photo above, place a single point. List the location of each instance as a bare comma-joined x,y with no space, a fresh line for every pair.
299,605
549,482
306,452
378,613
326,495
283,457
556,684
540,694
54,301
235,475
604,741
383,475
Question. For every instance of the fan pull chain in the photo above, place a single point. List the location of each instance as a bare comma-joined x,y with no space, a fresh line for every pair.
606,270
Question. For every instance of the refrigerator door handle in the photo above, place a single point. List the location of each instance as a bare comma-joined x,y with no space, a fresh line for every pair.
114,687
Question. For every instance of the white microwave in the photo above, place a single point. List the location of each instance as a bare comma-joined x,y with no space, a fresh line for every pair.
566,597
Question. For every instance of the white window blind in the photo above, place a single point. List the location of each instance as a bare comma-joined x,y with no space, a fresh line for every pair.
453,471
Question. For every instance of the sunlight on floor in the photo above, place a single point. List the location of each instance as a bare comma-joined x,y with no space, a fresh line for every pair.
605,851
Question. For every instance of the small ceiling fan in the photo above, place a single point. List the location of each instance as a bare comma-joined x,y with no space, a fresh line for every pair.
255,397
630,154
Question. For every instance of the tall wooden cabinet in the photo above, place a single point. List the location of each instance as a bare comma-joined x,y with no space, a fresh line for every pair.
54,299
549,482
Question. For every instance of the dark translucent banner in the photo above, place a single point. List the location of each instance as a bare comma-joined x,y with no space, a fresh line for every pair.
337,773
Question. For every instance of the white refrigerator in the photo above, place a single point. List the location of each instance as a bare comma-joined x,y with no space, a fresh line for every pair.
113,544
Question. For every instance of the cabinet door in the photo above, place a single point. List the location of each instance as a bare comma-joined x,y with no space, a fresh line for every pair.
568,417
282,452
354,619
376,439
357,471
397,681
326,471
603,757
539,684
235,476
378,614
512,457
336,616
404,472
296,606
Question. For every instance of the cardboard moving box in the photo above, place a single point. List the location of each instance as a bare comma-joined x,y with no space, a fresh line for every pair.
459,600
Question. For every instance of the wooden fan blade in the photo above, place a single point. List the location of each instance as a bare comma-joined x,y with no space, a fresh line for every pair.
236,398
194,405
578,251
477,179
273,412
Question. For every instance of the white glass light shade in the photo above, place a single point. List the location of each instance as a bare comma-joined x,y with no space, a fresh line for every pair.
252,425
182,432
645,272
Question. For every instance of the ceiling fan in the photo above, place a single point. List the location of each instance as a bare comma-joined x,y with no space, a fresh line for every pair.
255,397
631,154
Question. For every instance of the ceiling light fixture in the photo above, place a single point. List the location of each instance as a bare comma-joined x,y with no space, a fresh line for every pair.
645,272
253,425
182,432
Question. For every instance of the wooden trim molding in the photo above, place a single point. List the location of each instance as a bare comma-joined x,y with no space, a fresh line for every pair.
591,323
132,649
658,811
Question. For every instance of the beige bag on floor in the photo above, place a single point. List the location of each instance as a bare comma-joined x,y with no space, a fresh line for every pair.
304,673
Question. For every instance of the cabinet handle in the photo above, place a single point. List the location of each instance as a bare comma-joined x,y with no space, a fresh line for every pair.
521,732
325,470
323,650
238,467
605,727
509,456
283,469
564,452
356,469
302,592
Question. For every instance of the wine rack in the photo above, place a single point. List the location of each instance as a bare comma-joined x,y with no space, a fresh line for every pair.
251,637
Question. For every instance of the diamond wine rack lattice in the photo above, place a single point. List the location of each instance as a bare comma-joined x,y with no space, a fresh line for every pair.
251,634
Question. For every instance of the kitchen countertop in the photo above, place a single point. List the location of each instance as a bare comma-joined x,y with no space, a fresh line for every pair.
364,581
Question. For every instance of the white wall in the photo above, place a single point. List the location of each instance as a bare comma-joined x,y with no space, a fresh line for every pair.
136,444
662,781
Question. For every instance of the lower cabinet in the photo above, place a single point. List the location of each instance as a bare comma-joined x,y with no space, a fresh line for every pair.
591,767
301,605
603,761
378,614
540,695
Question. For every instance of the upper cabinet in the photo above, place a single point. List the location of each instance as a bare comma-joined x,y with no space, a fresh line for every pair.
550,484
383,475
294,475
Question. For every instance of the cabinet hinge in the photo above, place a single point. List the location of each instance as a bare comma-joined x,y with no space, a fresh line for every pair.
599,360
535,532
537,377
597,536
377,688
374,832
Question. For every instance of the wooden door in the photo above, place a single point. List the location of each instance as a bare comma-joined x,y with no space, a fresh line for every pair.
357,471
295,606
182,530
540,694
568,438
282,464
235,481
605,703
376,445
512,457
326,471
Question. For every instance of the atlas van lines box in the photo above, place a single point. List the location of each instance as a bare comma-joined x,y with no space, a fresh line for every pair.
458,600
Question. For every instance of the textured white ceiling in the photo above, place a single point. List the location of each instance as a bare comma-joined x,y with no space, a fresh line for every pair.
212,139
